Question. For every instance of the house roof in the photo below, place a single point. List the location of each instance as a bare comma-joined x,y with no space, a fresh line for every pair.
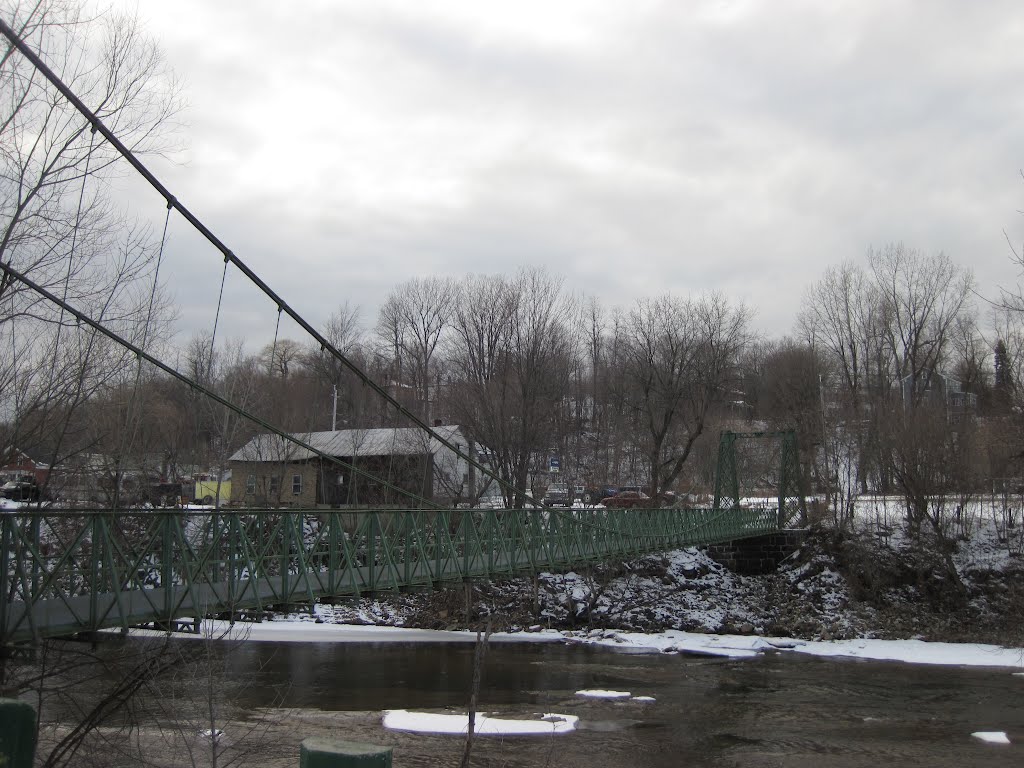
11,455
410,441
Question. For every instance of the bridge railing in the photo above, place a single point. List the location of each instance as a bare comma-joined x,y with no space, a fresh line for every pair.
63,572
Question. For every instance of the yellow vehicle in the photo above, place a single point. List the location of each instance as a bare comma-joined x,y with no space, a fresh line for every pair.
206,489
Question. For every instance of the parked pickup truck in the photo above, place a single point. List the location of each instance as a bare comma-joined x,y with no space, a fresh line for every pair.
557,495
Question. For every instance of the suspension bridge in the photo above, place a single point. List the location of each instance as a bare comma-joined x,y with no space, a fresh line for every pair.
66,571
69,571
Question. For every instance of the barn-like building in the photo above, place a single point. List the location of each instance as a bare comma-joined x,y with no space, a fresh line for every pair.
377,468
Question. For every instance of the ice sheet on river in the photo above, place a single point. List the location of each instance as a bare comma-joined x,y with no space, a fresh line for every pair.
425,722
741,646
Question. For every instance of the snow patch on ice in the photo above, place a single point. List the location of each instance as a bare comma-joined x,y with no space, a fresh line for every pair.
991,737
746,646
425,722
675,641
600,694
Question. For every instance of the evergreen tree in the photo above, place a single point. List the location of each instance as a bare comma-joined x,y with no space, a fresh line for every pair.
1004,384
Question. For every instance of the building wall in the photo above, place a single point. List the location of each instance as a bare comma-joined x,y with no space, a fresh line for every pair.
17,463
344,487
253,484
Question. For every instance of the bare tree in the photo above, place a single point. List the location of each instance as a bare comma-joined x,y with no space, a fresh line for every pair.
886,331
936,465
837,315
281,357
55,218
411,323
970,359
789,389
343,330
924,297
680,357
57,223
511,352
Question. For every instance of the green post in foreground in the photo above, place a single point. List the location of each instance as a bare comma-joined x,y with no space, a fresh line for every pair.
18,734
331,753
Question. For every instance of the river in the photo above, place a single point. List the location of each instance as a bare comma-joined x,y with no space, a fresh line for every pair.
777,710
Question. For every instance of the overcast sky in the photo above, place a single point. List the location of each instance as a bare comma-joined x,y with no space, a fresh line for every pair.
633,147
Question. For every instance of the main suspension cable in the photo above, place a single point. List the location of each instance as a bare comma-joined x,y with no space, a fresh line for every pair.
229,255
99,328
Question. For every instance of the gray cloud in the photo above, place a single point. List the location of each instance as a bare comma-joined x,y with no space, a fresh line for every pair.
634,148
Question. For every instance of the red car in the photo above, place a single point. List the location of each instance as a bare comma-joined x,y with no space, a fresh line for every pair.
627,500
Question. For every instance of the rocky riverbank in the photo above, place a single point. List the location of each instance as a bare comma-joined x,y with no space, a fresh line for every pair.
871,584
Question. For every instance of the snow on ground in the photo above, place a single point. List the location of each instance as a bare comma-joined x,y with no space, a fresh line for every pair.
918,652
683,588
747,646
291,630
423,722
669,642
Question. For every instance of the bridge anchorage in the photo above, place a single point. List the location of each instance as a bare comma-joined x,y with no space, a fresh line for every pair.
65,572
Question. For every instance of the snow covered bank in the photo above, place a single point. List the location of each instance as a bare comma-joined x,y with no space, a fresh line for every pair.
669,642
291,630
744,646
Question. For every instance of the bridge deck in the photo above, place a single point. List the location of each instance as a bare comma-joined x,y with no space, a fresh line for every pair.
64,572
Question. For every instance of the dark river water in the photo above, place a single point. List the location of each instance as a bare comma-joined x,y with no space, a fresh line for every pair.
780,710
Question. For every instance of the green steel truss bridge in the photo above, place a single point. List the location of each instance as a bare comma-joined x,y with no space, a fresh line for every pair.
64,571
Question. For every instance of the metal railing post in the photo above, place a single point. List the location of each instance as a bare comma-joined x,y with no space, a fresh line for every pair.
333,562
286,545
94,571
167,569
6,559
371,552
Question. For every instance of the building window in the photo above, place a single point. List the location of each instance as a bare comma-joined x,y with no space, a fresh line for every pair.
250,484
296,484
275,483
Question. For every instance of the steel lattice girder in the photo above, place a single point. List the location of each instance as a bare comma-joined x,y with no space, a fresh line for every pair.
64,572
791,499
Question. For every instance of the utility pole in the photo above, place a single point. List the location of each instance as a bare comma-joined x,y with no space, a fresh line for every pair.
334,409
824,445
